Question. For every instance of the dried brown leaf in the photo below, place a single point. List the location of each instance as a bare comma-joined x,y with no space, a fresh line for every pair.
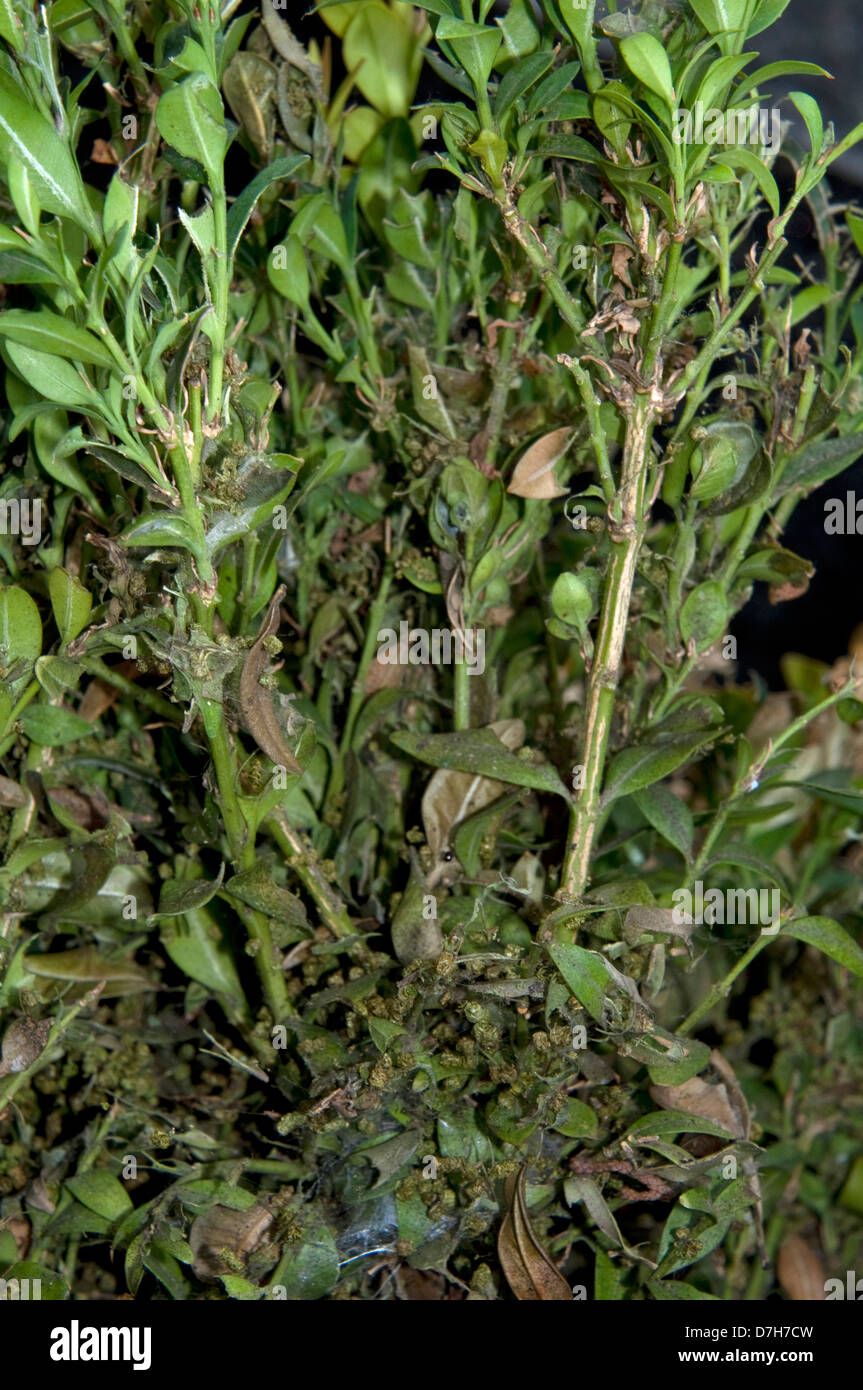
534,472
256,702
528,1269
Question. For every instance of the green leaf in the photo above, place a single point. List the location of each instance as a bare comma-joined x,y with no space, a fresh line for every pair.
20,627
665,1122
53,1287
740,158
242,207
191,119
719,75
818,463
26,137
670,816
767,13
827,936
381,53
674,1072
519,79
673,1290
383,1032
572,601
70,601
480,751
811,113
475,46
309,1268
635,768
607,1281
51,726
704,615
54,334
180,895
288,272
197,946
53,378
578,17
102,1193
585,974
576,1120
85,965
784,69
159,529
721,16
645,56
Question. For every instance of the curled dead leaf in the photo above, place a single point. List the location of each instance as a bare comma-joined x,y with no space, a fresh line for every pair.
534,472
256,701
528,1269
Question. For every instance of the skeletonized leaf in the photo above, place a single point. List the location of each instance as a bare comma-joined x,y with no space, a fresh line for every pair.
529,1271
534,472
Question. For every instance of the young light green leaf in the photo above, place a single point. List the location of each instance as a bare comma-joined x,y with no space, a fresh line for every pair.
20,627
56,335
740,158
645,56
585,974
70,601
381,52
191,119
26,137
